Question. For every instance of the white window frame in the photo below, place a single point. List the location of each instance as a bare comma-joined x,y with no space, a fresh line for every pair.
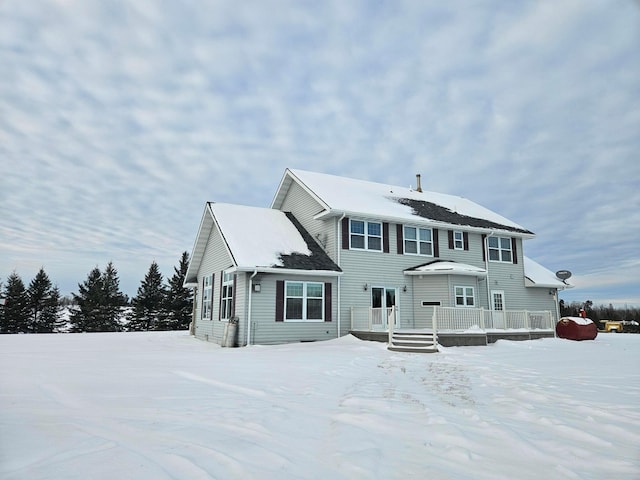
305,301
226,296
501,249
207,297
458,240
464,293
367,236
418,242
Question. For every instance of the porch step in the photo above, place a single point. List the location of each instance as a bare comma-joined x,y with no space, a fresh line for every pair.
419,342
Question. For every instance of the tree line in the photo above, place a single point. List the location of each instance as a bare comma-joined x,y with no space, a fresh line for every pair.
602,312
99,305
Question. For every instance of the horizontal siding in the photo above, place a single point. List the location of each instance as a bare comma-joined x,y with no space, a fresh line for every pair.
214,260
265,329
304,207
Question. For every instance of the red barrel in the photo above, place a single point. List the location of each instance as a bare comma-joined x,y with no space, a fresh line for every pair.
576,328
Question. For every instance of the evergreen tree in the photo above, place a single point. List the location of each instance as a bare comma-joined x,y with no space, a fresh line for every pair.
1,309
178,301
85,316
16,307
43,300
113,299
149,301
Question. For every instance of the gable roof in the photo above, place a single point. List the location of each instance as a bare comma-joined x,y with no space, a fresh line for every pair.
260,239
341,195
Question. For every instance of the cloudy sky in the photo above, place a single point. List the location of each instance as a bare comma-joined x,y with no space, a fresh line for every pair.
119,120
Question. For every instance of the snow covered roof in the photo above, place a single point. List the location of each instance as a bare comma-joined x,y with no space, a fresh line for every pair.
441,267
538,276
340,195
259,238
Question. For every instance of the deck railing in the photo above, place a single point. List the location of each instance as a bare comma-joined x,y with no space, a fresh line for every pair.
454,319
368,319
462,319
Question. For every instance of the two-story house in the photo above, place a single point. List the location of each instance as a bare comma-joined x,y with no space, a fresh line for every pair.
335,255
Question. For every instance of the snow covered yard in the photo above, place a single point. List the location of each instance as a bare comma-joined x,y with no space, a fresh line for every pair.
166,406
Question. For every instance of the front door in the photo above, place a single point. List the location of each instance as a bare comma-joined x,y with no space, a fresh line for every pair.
497,307
382,299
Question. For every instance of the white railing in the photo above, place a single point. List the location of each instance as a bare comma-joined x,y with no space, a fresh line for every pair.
368,319
461,319
455,319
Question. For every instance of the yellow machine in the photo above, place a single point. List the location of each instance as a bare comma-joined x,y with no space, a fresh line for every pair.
611,326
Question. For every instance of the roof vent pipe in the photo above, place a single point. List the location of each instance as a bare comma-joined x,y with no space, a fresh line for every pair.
419,186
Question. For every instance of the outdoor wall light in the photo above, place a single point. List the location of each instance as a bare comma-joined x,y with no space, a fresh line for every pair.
404,289
256,287
366,287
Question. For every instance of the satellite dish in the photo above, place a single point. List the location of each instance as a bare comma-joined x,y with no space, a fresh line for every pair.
563,274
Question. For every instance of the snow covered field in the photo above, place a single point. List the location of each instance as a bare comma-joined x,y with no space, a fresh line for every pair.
166,406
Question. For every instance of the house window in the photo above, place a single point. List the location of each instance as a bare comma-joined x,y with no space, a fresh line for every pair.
458,241
304,301
226,297
465,297
418,241
499,249
365,235
207,290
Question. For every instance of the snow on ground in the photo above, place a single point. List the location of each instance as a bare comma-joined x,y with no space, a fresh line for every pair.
167,406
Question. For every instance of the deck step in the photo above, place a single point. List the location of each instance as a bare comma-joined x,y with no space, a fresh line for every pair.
414,342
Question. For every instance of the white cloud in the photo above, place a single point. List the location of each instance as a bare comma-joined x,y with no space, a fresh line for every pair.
120,121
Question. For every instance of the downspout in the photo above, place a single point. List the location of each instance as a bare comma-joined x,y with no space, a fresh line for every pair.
486,266
338,247
255,272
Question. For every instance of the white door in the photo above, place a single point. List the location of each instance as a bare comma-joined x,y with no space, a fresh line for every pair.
497,307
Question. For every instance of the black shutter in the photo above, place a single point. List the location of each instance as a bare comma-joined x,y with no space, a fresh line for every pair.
327,302
385,237
436,243
465,240
514,249
345,233
400,237
280,301
450,234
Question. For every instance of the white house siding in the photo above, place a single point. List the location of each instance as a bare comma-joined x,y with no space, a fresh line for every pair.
264,327
214,260
429,288
509,278
304,207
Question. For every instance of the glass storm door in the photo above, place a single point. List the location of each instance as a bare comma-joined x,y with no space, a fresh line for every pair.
497,307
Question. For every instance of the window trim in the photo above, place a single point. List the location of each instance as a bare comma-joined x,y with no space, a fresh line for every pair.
458,243
464,296
366,235
226,299
207,300
500,250
305,298
417,241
